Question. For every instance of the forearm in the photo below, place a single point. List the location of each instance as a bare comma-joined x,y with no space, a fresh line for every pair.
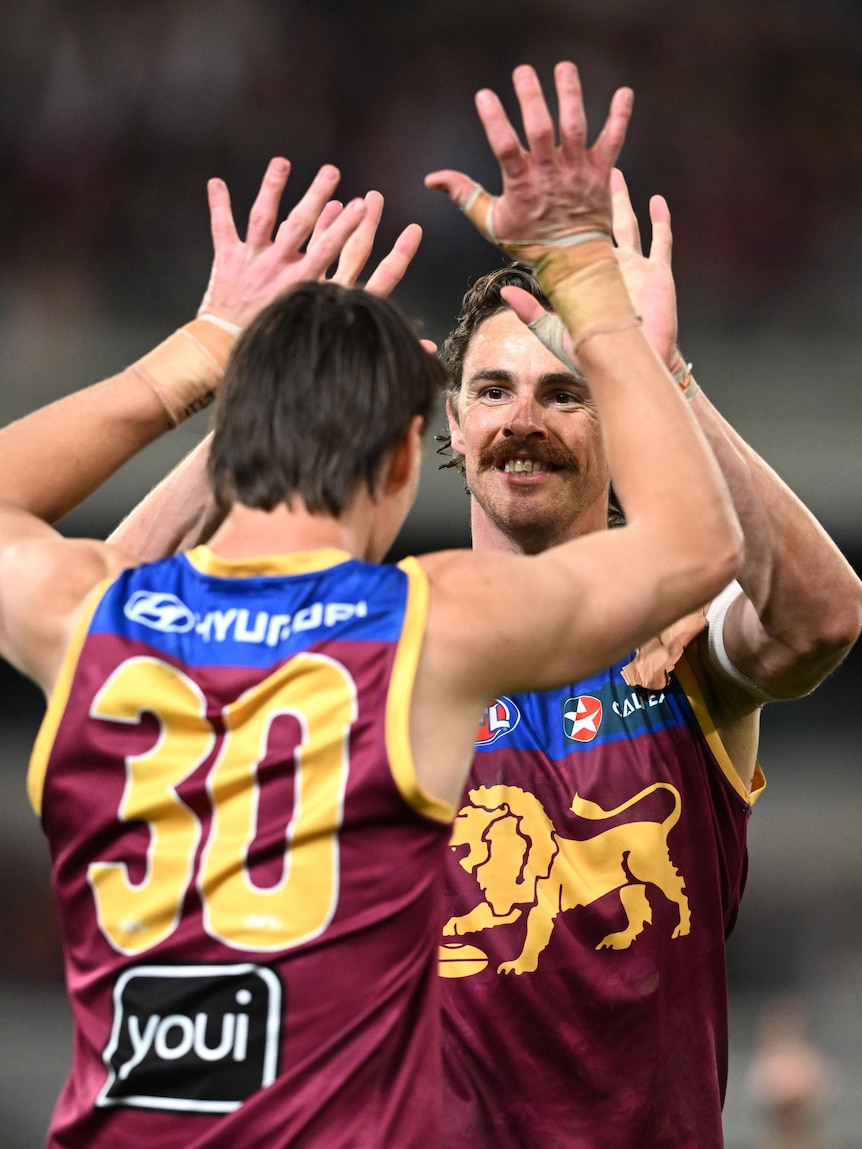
53,459
804,608
662,468
177,514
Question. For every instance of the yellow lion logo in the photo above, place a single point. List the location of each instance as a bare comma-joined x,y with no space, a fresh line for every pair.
523,865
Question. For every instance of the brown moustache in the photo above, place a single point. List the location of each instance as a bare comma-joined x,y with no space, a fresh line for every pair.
498,454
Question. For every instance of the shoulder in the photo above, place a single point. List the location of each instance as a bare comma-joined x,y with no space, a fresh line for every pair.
45,583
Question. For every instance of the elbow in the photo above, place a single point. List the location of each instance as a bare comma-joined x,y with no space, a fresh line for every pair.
841,625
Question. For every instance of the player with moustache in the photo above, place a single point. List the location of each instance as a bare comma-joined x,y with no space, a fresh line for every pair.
600,856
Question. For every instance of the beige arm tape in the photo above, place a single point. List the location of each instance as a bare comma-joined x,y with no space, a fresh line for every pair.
187,367
592,300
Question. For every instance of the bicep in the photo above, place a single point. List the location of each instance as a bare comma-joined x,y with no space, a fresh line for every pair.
519,623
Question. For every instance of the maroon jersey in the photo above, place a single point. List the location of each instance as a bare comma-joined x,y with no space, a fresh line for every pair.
246,871
597,868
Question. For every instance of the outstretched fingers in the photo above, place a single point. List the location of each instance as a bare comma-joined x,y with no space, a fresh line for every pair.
607,147
392,268
625,222
329,243
573,120
222,226
501,135
329,213
538,123
662,236
301,220
264,211
357,249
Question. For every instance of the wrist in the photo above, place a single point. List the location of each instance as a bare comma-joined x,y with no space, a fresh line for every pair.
185,370
590,299
225,324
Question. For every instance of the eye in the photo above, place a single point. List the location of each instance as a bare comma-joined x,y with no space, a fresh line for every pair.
565,399
493,394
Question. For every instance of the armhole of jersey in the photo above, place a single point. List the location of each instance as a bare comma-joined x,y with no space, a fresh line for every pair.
58,698
400,694
694,694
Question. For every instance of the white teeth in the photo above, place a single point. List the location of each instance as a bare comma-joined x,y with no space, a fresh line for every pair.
523,466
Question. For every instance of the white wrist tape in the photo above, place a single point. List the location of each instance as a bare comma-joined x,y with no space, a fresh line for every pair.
717,655
224,324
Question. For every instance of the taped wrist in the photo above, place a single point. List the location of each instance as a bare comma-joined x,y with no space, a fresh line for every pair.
590,300
186,368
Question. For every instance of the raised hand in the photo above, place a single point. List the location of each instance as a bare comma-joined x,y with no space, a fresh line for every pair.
552,191
247,274
357,250
649,279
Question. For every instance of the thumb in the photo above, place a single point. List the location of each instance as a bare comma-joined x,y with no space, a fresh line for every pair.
525,306
455,184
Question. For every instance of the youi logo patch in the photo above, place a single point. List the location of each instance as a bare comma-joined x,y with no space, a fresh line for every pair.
196,1039
160,611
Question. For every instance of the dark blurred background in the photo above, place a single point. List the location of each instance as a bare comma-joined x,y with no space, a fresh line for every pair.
747,118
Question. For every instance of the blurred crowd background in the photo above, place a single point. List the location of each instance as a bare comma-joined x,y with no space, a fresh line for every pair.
746,118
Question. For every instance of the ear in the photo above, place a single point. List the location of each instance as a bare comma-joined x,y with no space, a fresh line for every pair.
455,430
405,459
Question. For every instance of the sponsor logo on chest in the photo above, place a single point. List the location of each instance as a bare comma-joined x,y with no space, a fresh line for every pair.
499,719
195,1039
585,716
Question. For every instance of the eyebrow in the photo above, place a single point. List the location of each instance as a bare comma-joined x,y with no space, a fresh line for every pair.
563,379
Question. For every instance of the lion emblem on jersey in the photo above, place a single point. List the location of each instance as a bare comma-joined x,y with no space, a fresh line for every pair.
523,865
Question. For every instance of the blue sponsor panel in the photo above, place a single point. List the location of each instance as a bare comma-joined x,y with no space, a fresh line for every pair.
195,617
599,710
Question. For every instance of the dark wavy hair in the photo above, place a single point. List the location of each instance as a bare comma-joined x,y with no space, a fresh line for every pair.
480,302
319,389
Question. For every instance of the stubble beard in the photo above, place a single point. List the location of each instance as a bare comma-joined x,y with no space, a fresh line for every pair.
531,522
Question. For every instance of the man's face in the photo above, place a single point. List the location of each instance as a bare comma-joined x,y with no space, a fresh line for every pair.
529,434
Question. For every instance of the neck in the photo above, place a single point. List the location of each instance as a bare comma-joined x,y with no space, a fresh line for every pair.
246,532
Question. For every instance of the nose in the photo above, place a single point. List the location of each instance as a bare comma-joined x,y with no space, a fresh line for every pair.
526,419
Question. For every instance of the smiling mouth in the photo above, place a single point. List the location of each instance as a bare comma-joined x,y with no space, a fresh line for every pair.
525,467
523,458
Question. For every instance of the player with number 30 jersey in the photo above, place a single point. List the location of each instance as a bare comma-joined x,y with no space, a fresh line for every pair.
196,941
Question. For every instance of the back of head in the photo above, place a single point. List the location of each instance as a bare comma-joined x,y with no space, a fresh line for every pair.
320,388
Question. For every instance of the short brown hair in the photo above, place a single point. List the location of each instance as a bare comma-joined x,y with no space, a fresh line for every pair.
319,389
